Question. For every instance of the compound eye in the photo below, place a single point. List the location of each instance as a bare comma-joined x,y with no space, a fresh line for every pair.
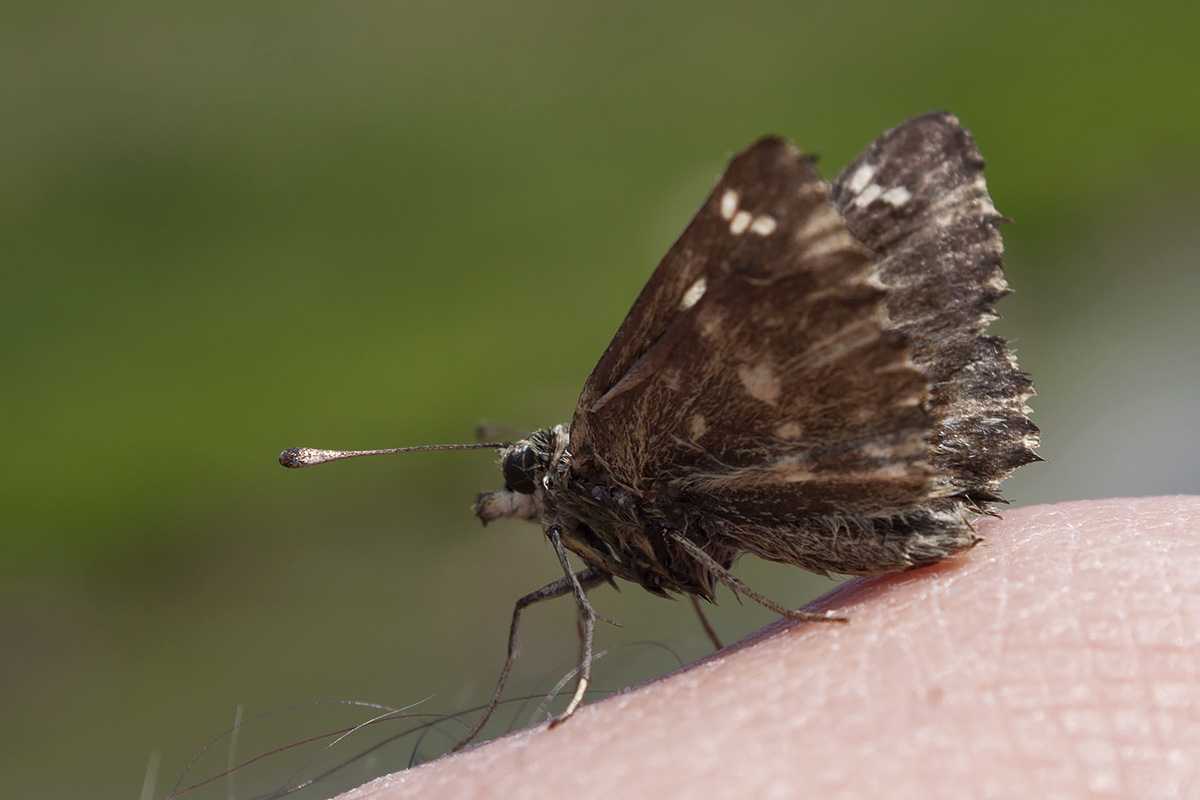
518,466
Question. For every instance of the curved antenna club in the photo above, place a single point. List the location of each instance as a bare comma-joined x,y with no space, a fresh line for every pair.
299,457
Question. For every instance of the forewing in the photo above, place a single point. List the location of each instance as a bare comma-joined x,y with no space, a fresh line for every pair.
755,372
917,199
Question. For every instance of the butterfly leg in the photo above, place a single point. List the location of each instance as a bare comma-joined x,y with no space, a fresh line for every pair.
587,620
739,586
708,628
571,583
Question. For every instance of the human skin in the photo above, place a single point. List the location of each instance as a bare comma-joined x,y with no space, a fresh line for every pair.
1057,659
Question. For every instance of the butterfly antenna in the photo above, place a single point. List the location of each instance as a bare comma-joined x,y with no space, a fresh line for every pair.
297,457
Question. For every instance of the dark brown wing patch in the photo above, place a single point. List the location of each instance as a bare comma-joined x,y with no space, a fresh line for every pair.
755,369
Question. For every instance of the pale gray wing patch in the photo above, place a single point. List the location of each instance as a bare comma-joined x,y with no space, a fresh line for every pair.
917,199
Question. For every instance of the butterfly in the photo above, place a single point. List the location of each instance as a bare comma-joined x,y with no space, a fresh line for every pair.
806,378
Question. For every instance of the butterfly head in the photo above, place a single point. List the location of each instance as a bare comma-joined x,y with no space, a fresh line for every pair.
526,462
521,465
525,465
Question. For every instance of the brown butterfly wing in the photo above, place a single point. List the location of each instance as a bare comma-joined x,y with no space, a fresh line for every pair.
916,198
756,371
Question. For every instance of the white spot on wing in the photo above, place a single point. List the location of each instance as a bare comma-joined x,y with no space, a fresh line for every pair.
897,196
729,203
697,426
862,176
875,282
868,195
761,381
823,219
837,240
740,222
812,187
789,430
763,226
693,294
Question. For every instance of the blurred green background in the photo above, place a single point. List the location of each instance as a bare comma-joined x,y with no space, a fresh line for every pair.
227,229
